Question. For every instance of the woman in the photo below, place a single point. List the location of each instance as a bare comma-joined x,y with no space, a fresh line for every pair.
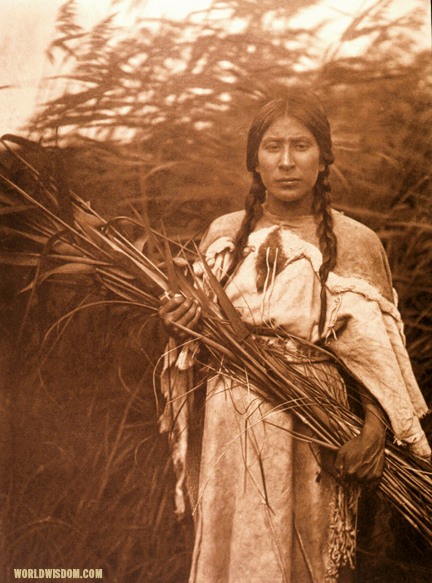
271,507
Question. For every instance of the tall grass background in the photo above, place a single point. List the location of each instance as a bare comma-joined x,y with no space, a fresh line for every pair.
153,123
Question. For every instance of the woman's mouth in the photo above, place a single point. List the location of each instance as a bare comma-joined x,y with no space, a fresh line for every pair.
288,181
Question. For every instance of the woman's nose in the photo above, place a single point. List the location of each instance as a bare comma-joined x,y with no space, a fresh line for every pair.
286,160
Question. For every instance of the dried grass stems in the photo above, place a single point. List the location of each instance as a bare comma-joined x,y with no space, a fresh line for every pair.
65,240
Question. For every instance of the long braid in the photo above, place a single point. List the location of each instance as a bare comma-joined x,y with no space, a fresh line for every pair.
326,236
253,207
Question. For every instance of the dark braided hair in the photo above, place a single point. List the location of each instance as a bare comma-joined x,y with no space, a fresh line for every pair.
326,236
253,207
304,106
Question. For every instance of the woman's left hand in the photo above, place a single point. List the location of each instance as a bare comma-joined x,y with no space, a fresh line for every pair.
362,458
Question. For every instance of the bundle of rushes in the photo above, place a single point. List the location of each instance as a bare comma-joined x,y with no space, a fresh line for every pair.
68,240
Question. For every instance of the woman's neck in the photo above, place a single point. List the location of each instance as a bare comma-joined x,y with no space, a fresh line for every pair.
287,210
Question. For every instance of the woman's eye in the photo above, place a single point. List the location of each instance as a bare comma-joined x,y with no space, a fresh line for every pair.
272,147
302,146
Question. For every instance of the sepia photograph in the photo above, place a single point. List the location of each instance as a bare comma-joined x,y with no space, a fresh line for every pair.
216,291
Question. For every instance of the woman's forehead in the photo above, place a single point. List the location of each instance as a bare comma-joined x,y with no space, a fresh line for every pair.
286,127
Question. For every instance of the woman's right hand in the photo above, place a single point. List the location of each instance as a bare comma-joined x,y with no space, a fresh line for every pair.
178,310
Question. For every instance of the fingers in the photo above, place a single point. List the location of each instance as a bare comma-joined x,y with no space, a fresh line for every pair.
345,472
179,312
186,314
353,464
173,307
195,319
170,302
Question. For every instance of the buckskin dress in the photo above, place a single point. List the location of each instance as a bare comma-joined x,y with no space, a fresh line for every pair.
265,510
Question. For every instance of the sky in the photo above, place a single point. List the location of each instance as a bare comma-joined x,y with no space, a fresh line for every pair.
27,27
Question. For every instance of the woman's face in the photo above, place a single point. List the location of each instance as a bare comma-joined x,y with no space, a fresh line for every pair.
289,163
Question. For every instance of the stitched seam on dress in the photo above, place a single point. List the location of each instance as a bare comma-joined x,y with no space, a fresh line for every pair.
337,284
